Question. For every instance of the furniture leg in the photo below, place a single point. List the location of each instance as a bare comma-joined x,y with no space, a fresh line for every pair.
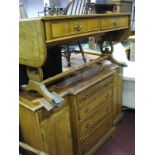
82,52
36,84
68,55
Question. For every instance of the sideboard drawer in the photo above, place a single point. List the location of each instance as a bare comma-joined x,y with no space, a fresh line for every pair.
96,135
96,118
101,99
89,94
64,28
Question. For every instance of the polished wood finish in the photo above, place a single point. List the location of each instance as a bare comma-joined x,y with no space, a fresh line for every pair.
36,35
83,122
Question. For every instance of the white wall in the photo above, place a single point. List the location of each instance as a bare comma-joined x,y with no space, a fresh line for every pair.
32,7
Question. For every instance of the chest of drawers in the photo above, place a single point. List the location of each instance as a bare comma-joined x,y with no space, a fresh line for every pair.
86,119
94,115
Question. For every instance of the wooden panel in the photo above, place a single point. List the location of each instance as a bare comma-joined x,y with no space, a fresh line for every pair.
57,133
89,94
97,117
65,28
32,47
30,128
95,136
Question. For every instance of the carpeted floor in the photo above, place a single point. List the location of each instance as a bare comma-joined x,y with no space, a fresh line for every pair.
124,142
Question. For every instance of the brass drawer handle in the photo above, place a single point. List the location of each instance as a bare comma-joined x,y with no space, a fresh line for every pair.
78,27
114,23
107,95
106,84
86,97
86,110
87,126
88,143
108,110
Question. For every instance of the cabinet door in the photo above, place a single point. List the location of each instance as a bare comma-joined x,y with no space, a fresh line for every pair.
57,133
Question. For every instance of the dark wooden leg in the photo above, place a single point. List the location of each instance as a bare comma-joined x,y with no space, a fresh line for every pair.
68,54
82,52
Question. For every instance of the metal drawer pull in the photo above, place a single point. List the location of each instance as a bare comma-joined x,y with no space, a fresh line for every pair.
114,23
78,27
86,97
86,110
107,95
106,84
87,125
89,142
108,110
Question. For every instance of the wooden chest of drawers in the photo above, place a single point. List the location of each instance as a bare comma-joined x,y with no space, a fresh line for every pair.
85,120
93,115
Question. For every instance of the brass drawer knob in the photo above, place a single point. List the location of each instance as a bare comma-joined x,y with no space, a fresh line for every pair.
108,110
86,97
114,23
86,110
107,95
78,27
88,143
87,125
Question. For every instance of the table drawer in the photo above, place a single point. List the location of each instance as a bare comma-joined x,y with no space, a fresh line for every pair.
64,28
89,94
101,99
96,135
123,22
96,118
114,22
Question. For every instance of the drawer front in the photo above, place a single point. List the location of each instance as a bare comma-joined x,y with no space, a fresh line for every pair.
101,99
114,22
96,118
65,28
89,94
123,22
88,142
